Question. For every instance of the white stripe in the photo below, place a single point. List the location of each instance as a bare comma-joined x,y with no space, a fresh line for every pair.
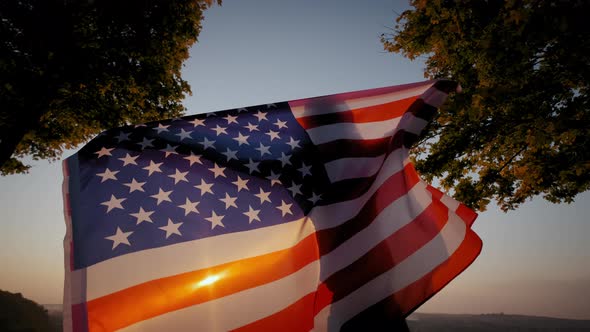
347,105
450,202
350,168
238,309
395,216
348,130
332,215
421,262
412,124
138,267
434,97
67,302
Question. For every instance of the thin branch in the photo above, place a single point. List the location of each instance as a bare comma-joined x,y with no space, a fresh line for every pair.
511,158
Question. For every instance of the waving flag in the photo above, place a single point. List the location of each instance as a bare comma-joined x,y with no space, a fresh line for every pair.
289,216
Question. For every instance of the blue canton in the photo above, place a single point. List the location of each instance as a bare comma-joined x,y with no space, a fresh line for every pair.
157,184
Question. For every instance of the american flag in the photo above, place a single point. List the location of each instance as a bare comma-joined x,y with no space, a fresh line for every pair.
291,216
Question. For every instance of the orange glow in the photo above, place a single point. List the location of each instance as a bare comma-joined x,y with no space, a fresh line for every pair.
208,281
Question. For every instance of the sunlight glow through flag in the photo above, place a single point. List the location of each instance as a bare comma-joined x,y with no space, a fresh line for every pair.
288,216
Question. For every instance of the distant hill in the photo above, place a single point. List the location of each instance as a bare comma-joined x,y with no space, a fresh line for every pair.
420,322
19,314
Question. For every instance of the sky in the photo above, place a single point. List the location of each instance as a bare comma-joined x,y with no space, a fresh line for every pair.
535,260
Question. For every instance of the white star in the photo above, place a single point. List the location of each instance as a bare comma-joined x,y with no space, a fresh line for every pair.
193,158
241,183
274,178
261,116
143,216
293,143
161,128
211,114
123,136
119,237
252,214
169,150
285,159
231,119
295,189
177,119
205,187
179,176
305,170
263,149
162,196
273,134
285,208
189,207
134,185
229,201
217,171
171,228
252,166
146,143
314,198
281,124
215,220
241,139
153,167
219,130
251,127
104,152
128,159
229,154
113,203
140,125
264,196
198,122
184,134
107,175
240,110
207,144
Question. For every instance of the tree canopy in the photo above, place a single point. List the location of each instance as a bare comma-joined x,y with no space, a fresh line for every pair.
70,69
21,314
521,126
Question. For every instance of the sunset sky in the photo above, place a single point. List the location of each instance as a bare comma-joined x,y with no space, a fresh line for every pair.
535,260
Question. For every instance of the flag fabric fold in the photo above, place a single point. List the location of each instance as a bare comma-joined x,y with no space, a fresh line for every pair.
293,216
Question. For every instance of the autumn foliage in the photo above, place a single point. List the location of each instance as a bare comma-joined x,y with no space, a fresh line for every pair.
521,127
70,69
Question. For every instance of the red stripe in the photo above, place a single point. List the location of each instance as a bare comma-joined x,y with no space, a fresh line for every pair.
382,258
362,93
436,194
347,190
405,301
347,148
296,317
79,322
374,113
393,188
377,261
466,214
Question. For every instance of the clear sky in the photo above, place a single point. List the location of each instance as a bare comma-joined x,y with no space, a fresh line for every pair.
535,260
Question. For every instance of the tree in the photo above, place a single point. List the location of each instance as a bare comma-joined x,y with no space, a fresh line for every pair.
72,68
20,314
521,126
